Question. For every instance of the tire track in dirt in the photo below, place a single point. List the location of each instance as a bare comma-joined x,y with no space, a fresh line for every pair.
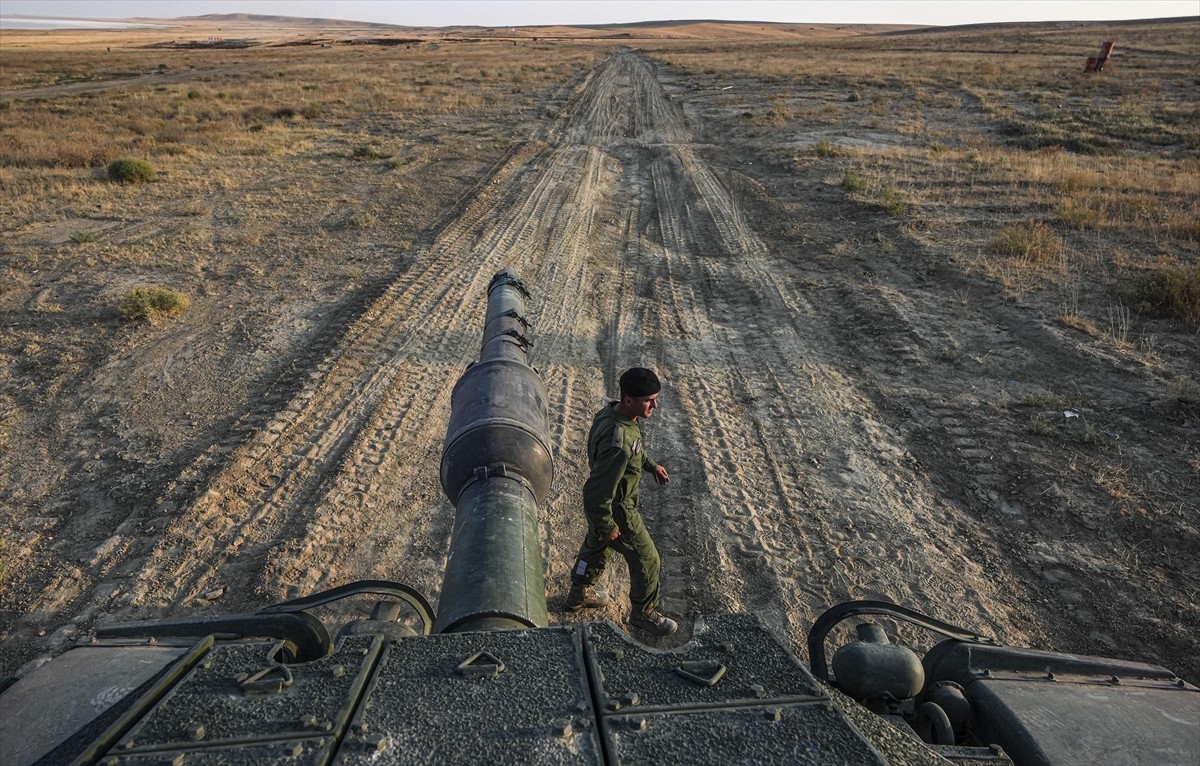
287,506
742,348
507,235
1002,356
324,479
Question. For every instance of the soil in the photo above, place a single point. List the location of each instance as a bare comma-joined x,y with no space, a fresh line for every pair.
841,419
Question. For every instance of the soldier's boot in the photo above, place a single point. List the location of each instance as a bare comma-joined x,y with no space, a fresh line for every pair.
653,621
586,597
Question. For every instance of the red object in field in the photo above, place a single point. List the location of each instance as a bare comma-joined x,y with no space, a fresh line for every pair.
1100,62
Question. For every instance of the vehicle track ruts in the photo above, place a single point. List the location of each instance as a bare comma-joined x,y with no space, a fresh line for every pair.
363,373
637,253
728,330
311,456
267,514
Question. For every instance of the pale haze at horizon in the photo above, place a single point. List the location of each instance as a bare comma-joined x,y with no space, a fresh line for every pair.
546,12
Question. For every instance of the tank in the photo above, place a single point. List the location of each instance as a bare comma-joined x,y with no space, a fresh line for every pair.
486,680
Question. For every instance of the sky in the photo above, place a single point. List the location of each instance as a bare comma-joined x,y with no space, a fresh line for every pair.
491,13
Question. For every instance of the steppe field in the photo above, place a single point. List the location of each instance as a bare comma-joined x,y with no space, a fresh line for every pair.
926,305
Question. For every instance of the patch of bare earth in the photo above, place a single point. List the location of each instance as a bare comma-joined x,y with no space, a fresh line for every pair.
847,410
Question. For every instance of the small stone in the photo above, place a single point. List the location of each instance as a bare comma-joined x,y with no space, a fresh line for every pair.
377,742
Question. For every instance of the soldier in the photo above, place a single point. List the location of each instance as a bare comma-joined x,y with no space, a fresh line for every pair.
610,501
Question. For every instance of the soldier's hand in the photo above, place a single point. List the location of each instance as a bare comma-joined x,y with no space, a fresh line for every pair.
661,475
616,533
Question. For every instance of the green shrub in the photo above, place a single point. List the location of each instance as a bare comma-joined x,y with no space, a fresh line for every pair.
131,170
1033,241
80,237
825,148
1184,388
1076,214
853,182
1035,135
780,113
1041,425
193,93
152,303
893,201
1172,293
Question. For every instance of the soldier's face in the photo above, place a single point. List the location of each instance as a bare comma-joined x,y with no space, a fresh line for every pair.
642,406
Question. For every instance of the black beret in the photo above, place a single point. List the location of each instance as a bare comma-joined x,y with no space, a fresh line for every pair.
639,381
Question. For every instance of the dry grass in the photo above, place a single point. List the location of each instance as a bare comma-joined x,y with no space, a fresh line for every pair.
260,201
1028,242
1047,181
251,101
232,122
1075,321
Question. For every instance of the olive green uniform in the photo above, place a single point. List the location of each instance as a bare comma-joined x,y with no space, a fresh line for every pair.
610,501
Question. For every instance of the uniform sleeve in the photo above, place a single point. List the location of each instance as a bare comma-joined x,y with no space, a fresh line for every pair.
601,489
648,465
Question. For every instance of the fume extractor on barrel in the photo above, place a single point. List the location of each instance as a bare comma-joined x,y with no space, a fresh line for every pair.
496,469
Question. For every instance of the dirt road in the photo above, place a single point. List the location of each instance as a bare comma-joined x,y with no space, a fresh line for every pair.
826,421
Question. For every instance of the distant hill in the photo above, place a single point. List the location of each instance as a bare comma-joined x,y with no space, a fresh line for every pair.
1023,25
694,29
288,21
252,29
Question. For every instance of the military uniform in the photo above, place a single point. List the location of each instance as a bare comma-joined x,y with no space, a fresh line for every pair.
610,501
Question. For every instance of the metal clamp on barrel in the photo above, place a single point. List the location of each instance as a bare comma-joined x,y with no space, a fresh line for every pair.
512,313
510,278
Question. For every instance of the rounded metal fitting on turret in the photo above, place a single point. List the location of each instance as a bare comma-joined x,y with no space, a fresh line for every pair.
874,668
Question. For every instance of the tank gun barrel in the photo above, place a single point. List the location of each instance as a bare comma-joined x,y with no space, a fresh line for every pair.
496,470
